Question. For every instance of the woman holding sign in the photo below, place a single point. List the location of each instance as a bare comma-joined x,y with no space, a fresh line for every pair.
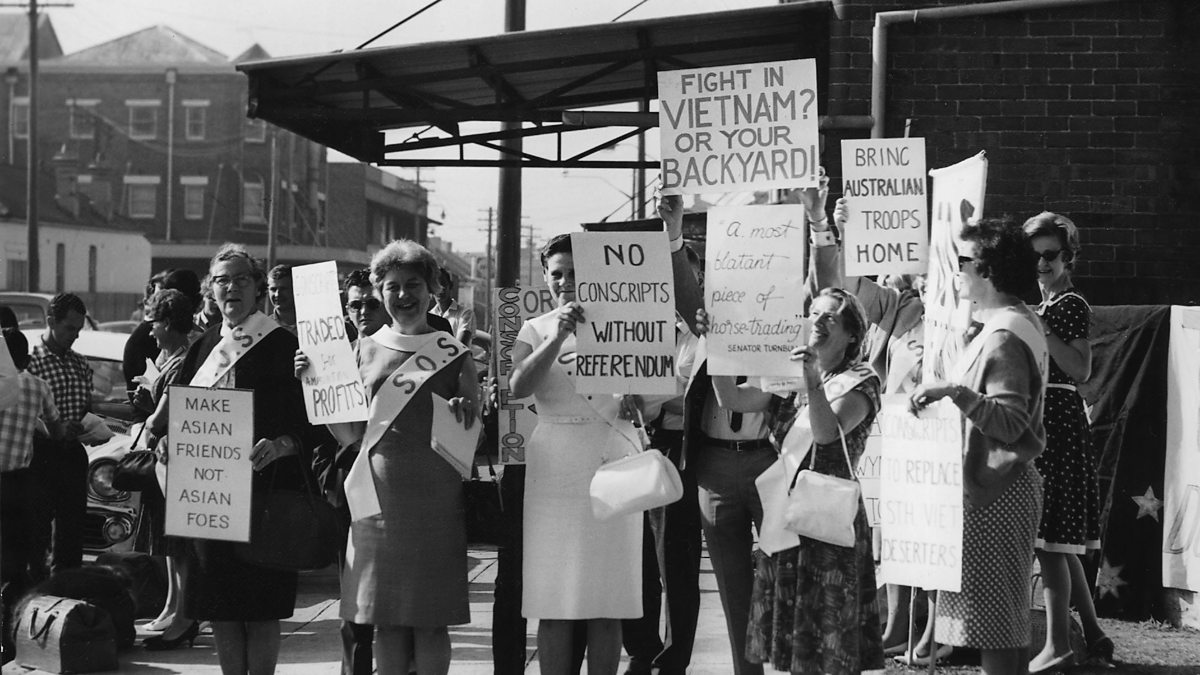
576,568
999,385
247,350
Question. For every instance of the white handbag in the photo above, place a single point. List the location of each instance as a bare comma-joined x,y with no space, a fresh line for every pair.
821,506
638,482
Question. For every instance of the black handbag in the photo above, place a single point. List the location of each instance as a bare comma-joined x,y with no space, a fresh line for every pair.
135,469
292,530
61,635
484,509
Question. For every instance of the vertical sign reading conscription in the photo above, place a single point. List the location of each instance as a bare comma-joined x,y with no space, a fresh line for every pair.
753,289
887,231
515,418
333,390
626,344
921,495
739,128
958,192
208,470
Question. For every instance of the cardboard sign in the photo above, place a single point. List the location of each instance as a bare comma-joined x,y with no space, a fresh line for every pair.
516,418
958,192
209,471
626,344
333,390
1181,484
921,495
739,128
887,231
754,289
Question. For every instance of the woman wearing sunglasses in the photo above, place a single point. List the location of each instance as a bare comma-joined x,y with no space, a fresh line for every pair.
1070,524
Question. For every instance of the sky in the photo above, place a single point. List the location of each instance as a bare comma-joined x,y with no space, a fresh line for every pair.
554,201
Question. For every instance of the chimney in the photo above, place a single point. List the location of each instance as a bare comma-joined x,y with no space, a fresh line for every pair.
66,179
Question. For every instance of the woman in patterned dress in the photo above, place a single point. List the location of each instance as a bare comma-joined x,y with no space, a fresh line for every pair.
999,387
1070,524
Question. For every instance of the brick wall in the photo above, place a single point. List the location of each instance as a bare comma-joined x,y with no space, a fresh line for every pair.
1091,111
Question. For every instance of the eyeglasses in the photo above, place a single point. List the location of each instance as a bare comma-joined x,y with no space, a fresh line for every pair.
1050,255
226,281
964,259
369,304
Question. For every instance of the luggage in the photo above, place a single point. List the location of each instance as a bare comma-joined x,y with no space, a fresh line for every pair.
103,586
61,635
149,574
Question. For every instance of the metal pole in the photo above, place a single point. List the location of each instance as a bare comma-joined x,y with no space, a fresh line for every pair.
639,174
508,203
269,194
34,269
489,268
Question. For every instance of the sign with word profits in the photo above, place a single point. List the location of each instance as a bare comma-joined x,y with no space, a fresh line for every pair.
887,231
739,128
958,192
754,289
1181,483
333,390
209,470
626,344
921,495
515,418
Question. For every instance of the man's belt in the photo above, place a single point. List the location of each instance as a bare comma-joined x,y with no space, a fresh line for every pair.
738,446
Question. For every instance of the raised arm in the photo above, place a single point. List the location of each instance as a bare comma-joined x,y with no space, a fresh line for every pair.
530,363
688,296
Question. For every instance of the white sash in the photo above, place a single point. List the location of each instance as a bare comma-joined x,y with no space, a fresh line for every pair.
1016,323
774,483
435,352
232,348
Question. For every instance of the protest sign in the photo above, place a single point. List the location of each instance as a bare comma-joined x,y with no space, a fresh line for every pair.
921,495
754,288
1181,499
626,344
515,418
887,229
739,128
867,471
333,390
958,192
208,470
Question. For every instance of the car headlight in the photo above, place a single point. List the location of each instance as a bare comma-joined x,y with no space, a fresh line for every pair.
100,479
117,529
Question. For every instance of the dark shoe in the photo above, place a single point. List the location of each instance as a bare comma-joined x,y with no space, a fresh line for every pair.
639,667
1101,650
160,643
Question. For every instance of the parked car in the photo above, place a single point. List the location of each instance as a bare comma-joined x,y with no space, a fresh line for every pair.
125,327
112,514
30,308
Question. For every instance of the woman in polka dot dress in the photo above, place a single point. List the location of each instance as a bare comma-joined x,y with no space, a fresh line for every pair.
1070,524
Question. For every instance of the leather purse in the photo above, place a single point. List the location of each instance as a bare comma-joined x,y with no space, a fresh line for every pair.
135,469
635,483
292,530
821,506
61,635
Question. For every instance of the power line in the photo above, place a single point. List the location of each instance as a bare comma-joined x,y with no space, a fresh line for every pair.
401,22
622,14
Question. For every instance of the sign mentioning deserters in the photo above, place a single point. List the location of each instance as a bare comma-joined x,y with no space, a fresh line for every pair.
739,128
515,417
333,390
887,231
626,344
209,471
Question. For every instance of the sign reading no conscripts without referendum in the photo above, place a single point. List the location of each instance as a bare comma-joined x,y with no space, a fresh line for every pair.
739,128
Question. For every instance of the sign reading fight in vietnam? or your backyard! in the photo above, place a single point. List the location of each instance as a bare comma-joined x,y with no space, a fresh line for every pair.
887,231
626,343
754,289
515,417
333,390
739,128
920,495
208,470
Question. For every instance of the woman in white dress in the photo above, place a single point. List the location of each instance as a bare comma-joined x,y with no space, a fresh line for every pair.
576,568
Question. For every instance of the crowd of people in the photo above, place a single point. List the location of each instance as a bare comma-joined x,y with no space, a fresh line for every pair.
597,586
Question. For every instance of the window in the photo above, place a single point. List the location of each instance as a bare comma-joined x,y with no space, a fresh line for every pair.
193,202
141,193
256,131
60,268
254,202
20,108
18,273
143,118
92,255
195,120
83,118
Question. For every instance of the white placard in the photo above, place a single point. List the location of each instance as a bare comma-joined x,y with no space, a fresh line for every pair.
1181,483
209,471
887,231
451,440
739,128
754,289
333,389
921,495
515,417
626,344
958,193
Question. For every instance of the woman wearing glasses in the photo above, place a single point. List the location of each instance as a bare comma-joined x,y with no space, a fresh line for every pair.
1070,524
998,384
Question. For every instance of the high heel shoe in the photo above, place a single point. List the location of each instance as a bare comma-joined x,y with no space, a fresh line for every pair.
1101,650
160,643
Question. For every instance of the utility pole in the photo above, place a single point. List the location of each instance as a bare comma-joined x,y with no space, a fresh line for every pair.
508,203
488,253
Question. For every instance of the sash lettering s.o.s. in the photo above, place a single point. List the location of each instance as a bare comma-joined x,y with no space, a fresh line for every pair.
232,347
435,353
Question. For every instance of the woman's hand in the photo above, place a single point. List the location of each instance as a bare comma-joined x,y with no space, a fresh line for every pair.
808,356
300,364
143,400
670,209
463,409
701,322
569,315
161,446
631,408
841,213
267,451
926,394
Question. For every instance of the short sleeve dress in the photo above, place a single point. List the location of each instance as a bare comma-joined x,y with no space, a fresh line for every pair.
1071,507
574,566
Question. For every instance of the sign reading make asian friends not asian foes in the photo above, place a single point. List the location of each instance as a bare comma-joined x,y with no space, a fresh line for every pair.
515,417
626,344
208,468
333,390
887,229
739,128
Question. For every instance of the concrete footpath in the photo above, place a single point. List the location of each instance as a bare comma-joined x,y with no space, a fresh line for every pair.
312,643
